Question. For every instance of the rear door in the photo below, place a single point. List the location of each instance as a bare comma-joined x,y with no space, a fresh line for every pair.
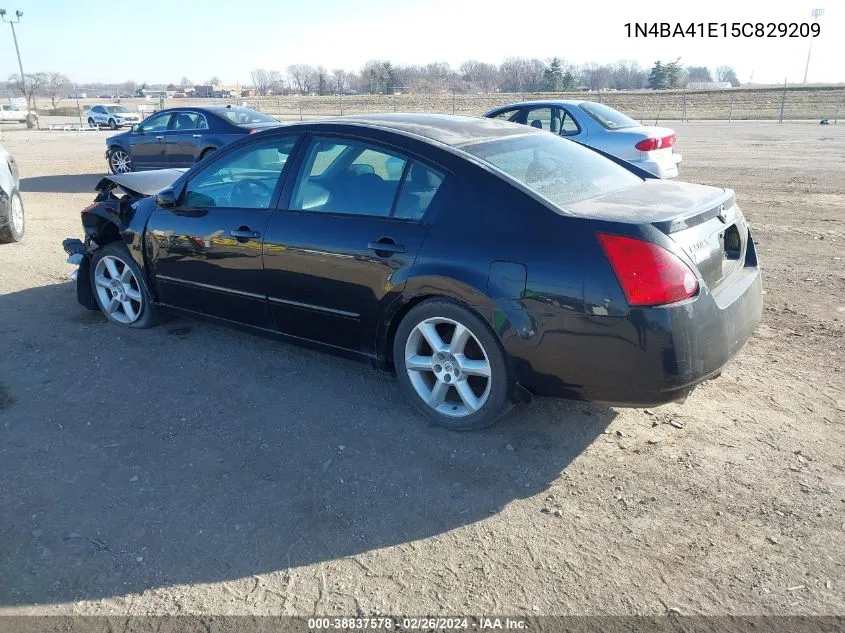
343,241
206,252
147,143
184,137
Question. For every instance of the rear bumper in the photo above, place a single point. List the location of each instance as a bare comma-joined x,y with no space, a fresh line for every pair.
668,167
650,357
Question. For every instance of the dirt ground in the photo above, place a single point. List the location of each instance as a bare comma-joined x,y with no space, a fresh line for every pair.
192,469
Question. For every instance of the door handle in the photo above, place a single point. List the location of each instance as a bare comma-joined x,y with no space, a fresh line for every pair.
159,138
244,234
385,247
197,135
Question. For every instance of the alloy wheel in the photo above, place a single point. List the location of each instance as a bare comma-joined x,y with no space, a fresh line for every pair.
121,162
118,290
17,214
448,367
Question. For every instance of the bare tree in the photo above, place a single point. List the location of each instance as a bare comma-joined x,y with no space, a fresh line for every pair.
185,82
303,77
56,86
214,81
627,75
266,81
481,75
340,80
596,76
31,84
129,87
726,73
437,75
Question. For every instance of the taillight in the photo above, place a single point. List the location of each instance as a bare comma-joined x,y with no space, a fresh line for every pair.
649,274
651,144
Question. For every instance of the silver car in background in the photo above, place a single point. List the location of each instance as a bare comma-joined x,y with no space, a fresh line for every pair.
11,207
600,126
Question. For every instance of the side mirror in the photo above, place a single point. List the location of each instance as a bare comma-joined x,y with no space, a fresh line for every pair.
166,198
135,127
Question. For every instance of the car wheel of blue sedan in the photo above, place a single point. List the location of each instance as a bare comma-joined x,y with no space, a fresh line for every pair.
120,162
451,366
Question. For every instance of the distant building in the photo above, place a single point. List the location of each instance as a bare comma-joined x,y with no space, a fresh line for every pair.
708,85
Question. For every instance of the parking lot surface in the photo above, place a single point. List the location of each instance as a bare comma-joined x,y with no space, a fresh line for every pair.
194,469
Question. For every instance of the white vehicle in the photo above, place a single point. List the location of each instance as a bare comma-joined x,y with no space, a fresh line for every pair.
11,112
11,206
113,115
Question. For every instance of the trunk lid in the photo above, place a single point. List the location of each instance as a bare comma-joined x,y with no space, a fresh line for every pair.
704,221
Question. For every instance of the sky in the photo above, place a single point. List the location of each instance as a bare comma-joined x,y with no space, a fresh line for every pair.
161,41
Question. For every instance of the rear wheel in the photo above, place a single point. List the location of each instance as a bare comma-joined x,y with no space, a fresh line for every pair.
205,153
120,162
451,366
118,287
13,231
91,122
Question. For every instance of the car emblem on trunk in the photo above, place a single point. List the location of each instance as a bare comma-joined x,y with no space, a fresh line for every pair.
723,214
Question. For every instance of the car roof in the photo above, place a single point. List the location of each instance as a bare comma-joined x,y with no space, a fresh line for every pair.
448,129
569,102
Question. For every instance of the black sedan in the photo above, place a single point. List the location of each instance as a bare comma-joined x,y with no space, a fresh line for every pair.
180,137
483,261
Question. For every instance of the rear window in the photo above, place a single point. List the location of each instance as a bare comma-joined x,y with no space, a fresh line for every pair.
561,171
245,116
607,116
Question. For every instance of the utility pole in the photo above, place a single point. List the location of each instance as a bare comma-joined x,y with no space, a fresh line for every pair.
816,13
12,22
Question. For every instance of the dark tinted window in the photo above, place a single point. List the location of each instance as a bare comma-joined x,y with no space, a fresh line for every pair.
188,121
607,116
356,178
560,170
244,178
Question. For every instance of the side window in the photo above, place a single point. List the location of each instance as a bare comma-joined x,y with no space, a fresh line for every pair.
566,124
188,121
354,178
245,178
507,115
348,177
157,123
417,192
541,118
5,107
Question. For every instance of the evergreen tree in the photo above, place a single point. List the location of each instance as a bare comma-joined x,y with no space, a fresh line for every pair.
657,77
553,77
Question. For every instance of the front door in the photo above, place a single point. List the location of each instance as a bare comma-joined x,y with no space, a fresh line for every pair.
346,240
146,144
207,250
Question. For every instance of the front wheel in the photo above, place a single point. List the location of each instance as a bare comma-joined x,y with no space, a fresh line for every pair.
120,162
13,231
119,288
112,124
451,366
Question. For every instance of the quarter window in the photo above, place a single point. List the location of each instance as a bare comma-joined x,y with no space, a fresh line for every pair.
245,178
354,178
567,125
507,115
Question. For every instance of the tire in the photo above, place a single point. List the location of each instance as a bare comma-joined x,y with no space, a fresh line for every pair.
14,230
120,161
205,153
451,374
91,123
112,124
122,298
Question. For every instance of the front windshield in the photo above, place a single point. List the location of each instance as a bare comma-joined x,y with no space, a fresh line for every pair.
118,109
560,170
245,116
607,116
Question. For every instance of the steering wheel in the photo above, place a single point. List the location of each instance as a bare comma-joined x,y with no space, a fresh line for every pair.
250,193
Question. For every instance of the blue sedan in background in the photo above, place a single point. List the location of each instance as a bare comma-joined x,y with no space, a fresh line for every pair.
180,137
600,126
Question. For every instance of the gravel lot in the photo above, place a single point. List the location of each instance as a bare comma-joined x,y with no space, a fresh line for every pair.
192,469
